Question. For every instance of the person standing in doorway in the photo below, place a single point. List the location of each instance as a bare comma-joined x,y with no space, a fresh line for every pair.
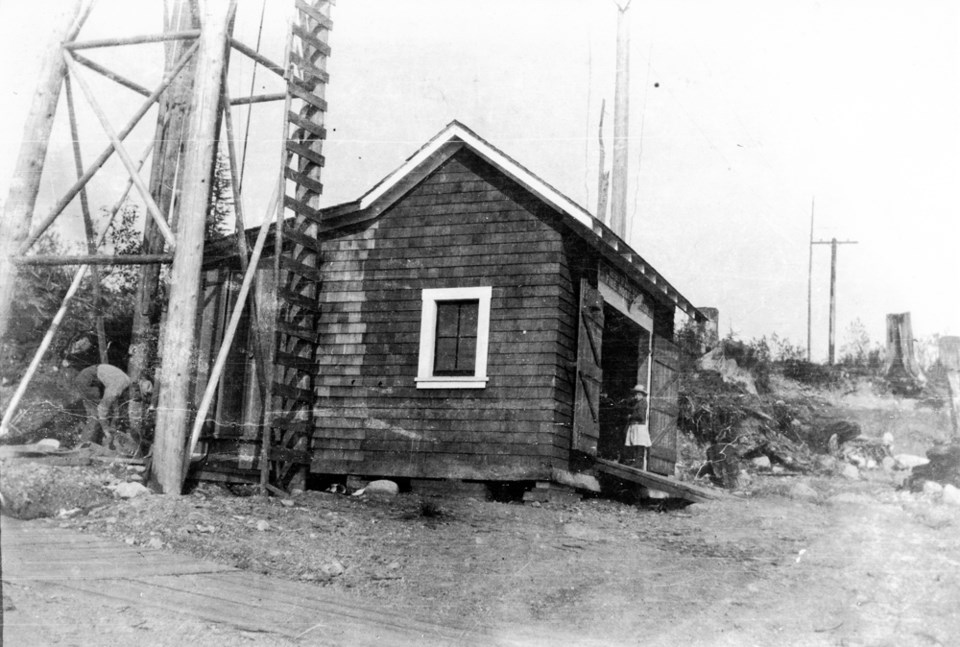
637,439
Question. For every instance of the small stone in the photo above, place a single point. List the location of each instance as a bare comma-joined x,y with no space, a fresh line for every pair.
130,490
295,492
263,525
155,543
287,503
139,469
761,462
205,529
393,566
129,541
887,439
871,464
535,504
382,488
135,478
908,461
850,471
889,463
332,569
951,495
932,488
48,443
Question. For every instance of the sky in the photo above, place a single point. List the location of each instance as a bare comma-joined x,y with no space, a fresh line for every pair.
745,117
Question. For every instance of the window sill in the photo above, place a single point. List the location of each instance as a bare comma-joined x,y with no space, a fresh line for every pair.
452,382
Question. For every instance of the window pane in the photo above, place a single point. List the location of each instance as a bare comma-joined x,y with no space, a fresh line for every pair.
467,355
446,356
469,312
447,318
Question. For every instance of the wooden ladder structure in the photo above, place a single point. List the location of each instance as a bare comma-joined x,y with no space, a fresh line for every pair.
288,422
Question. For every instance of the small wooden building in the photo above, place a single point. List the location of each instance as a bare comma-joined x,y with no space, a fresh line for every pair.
471,323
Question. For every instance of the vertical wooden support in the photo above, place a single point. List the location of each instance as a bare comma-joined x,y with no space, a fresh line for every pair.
178,362
25,183
833,300
88,227
621,126
164,184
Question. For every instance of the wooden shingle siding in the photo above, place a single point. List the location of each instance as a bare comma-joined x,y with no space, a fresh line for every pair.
465,225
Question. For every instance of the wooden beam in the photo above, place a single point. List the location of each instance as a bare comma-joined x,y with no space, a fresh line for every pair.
104,156
178,340
653,481
136,259
110,74
258,57
25,180
258,98
133,40
88,226
152,210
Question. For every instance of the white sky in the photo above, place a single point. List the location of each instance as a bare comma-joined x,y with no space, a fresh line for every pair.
760,107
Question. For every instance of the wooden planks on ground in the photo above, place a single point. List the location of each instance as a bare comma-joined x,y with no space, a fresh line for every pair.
653,481
221,594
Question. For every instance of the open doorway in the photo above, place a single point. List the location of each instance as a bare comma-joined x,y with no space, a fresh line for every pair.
625,363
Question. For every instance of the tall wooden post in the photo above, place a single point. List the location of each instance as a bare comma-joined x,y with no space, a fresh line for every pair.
833,299
810,287
164,183
25,183
621,120
178,361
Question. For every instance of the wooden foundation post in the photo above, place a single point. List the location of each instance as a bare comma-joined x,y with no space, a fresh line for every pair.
178,336
25,183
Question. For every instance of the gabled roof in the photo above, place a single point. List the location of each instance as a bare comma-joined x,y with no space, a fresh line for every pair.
457,136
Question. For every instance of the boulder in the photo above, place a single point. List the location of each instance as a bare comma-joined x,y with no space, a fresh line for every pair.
951,495
908,461
932,488
130,490
382,488
850,471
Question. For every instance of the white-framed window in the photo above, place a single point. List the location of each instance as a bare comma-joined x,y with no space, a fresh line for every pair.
454,338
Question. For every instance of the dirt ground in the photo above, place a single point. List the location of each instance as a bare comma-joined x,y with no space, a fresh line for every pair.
792,560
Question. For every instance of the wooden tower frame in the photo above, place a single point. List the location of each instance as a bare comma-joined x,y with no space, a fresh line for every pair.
284,364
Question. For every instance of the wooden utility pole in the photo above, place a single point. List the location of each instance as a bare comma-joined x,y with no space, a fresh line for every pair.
25,183
810,286
621,123
833,242
176,373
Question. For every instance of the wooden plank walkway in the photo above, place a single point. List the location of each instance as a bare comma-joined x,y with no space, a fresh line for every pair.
178,584
675,488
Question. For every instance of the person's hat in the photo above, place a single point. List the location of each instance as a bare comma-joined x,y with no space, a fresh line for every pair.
640,389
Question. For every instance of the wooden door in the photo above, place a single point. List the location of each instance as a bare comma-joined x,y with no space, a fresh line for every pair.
664,406
586,415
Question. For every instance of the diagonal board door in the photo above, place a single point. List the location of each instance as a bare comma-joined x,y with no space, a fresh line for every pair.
586,414
664,406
